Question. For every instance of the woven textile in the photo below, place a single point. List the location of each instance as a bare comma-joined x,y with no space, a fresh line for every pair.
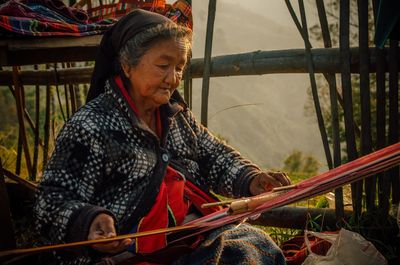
47,18
232,244
180,12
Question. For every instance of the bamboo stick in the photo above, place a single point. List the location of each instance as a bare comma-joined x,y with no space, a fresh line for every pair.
36,132
344,44
333,95
365,98
187,86
381,138
230,201
66,96
394,116
19,153
46,127
58,92
28,184
188,79
249,204
298,217
20,106
72,98
95,241
251,63
207,61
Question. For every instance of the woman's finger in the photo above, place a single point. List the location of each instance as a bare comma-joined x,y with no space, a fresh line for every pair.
268,181
113,247
281,177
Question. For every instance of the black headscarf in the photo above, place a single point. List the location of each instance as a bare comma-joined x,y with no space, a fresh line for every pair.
113,40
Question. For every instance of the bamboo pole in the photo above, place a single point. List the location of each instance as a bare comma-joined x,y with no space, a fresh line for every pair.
365,97
79,101
207,61
250,63
187,86
37,131
187,81
58,92
94,241
46,127
19,154
66,96
72,98
381,139
299,217
344,44
20,106
26,183
394,116
333,95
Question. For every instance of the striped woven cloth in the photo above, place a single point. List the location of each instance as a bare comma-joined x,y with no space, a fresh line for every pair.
180,11
54,18
47,18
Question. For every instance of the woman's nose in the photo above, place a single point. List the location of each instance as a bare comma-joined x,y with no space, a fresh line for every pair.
171,77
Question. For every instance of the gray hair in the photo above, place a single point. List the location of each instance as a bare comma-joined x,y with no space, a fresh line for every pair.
136,47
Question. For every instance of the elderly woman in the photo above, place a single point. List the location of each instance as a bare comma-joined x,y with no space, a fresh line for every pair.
134,158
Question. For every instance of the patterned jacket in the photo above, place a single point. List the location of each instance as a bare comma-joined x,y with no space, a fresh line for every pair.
108,160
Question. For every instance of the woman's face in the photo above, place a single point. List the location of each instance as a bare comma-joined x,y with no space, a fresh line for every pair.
158,73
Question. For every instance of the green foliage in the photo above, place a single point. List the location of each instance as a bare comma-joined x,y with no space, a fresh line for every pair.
322,203
280,235
297,162
313,223
7,109
293,161
8,146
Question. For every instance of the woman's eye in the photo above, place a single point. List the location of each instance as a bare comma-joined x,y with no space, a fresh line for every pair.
163,66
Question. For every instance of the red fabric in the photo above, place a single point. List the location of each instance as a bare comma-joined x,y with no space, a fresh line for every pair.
155,219
126,95
199,197
170,195
176,201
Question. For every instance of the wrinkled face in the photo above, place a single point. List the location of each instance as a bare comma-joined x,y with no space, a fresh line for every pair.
158,73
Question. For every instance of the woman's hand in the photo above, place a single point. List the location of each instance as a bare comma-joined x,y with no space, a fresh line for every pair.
266,181
103,227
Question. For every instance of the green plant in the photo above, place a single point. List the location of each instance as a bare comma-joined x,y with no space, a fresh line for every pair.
281,235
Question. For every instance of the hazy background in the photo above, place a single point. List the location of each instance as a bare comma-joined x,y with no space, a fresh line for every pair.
268,131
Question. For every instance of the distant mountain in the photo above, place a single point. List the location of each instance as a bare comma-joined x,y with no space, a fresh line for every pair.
271,123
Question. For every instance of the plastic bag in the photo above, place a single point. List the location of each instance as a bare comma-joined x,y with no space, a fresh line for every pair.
348,248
